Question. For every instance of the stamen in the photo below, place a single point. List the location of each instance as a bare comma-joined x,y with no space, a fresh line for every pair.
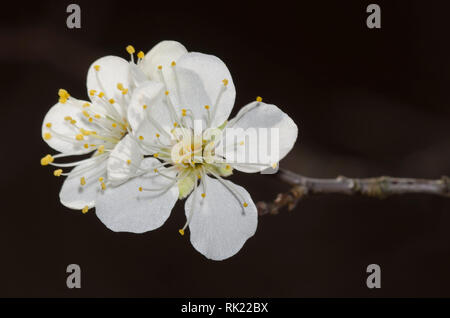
48,125
48,159
259,99
82,181
130,49
140,55
85,209
47,136
97,67
103,185
57,172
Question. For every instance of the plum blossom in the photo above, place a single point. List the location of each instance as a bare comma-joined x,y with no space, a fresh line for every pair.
97,128
175,92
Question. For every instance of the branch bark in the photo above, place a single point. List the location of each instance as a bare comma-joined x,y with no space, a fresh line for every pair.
379,187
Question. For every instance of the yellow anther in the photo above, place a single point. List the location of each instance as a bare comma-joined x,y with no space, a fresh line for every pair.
63,100
97,116
97,67
128,162
101,179
114,125
206,106
47,136
63,93
274,165
48,125
228,167
48,159
82,181
90,119
130,49
241,143
57,172
157,135
85,209
245,204
92,92
86,105
140,189
120,86
181,231
259,99
86,146
112,101
67,118
175,124
166,92
203,195
155,170
141,138
103,186
140,55
125,91
101,149
79,137
144,106
173,63
225,82
101,94
159,67
85,113
73,121
156,155
199,176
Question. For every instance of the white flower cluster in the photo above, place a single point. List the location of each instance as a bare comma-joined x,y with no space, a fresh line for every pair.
154,131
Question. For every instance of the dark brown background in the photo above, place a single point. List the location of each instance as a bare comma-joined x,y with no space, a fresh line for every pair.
367,103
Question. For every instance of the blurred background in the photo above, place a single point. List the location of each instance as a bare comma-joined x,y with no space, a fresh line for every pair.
367,102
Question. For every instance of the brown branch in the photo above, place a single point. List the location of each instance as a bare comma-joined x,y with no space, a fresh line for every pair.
380,187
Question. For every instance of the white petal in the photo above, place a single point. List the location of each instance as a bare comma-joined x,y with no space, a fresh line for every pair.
113,70
254,116
137,75
220,225
76,196
162,54
150,94
62,131
192,95
119,168
212,71
126,209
